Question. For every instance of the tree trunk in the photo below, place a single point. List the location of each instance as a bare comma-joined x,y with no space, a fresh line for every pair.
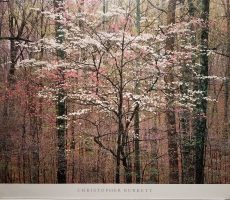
120,134
105,9
170,113
24,148
61,102
200,124
187,140
35,149
73,145
13,51
118,158
136,117
126,161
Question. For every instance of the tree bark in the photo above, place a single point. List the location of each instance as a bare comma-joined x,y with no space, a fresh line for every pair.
61,102
170,113
136,117
187,140
13,50
200,124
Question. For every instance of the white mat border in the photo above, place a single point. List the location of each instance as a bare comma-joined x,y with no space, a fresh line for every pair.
113,192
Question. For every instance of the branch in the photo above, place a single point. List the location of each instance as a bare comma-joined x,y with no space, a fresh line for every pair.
222,54
96,139
15,38
154,6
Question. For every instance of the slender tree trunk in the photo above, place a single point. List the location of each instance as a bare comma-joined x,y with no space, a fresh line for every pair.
61,101
200,124
24,148
73,145
105,9
119,138
136,117
118,159
187,147
13,51
35,150
170,114
6,142
154,174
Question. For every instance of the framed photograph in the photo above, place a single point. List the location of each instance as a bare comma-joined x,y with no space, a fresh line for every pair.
112,99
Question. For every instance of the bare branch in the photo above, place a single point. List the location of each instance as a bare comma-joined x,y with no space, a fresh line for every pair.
154,6
15,38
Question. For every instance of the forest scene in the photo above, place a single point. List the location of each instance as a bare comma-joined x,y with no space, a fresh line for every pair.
115,91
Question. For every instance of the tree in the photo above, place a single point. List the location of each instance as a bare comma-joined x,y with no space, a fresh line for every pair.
136,118
170,113
61,97
187,140
200,123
